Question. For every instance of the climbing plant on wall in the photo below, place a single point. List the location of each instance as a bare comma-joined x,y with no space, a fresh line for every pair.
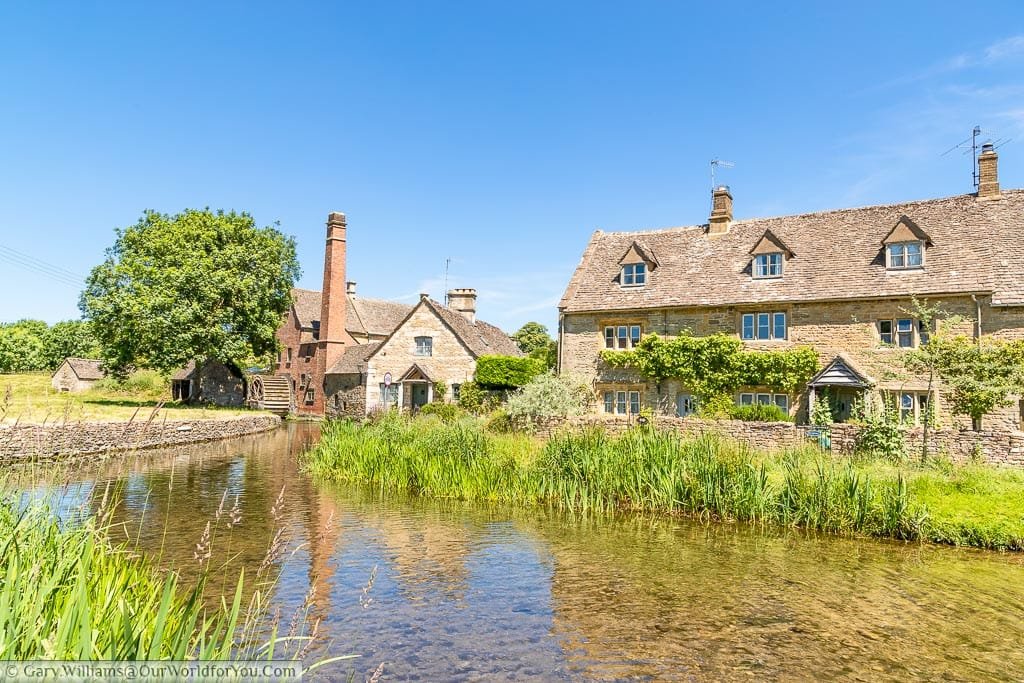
717,365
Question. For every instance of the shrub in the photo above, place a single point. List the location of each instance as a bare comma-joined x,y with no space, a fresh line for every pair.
474,399
506,372
147,383
499,422
549,395
447,412
759,412
882,435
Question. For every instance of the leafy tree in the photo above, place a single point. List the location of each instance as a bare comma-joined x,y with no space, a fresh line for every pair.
21,346
550,395
68,339
199,285
532,337
547,354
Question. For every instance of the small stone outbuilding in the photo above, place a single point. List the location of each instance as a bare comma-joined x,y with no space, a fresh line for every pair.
77,374
221,384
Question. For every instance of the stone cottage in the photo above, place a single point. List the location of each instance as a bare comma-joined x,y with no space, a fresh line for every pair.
222,384
336,346
839,281
76,374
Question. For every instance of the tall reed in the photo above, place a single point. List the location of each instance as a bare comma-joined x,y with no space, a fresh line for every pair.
644,470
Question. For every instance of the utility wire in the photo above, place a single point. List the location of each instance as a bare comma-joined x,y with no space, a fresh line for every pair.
55,273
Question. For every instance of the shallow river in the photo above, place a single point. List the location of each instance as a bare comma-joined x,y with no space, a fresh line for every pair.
471,592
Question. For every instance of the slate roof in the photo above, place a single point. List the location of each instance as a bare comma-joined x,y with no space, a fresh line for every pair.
978,246
186,372
85,368
481,338
363,316
353,360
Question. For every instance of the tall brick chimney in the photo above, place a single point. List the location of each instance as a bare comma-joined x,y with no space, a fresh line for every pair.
463,301
333,301
988,172
721,211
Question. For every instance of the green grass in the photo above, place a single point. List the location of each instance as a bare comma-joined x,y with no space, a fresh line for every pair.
69,594
645,470
28,397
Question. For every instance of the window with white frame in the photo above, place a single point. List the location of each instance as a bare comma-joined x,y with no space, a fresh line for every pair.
389,395
424,346
309,395
456,391
765,398
621,402
904,255
768,265
763,326
634,275
622,337
913,407
898,332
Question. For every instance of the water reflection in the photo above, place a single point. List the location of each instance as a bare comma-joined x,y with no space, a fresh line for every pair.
464,592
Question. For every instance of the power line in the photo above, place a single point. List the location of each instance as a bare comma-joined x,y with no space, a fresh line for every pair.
55,273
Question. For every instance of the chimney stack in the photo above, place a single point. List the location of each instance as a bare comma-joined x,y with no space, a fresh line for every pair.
350,288
988,172
463,301
721,211
333,301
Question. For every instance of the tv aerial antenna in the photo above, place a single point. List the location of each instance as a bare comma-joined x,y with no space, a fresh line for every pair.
970,146
715,163
447,263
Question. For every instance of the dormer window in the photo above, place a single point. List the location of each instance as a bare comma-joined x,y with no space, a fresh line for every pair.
634,275
905,245
768,256
768,265
904,255
636,263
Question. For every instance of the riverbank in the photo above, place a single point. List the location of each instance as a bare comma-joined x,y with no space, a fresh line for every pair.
69,593
705,476
24,442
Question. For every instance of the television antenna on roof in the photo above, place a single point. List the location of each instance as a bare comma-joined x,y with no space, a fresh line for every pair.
715,163
970,146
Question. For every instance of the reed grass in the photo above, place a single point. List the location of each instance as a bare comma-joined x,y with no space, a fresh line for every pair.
648,470
68,593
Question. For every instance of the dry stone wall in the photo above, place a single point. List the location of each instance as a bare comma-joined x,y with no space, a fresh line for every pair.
31,441
993,447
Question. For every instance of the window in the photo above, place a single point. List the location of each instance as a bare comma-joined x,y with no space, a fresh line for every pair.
309,395
634,275
764,399
424,346
899,332
904,255
289,354
923,333
768,265
913,407
279,356
389,395
621,336
456,389
303,379
622,402
316,329
763,326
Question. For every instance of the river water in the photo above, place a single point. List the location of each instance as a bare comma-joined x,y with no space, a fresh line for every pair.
456,591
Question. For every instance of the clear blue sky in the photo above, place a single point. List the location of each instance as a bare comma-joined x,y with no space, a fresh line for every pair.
497,134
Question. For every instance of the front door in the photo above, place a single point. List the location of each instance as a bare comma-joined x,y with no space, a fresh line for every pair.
686,404
419,395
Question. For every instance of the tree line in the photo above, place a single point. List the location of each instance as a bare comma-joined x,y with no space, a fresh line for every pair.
34,346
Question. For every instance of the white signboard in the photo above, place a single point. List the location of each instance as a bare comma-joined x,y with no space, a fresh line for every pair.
387,379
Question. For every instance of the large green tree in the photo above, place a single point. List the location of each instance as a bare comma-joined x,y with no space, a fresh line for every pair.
533,340
68,339
21,346
200,285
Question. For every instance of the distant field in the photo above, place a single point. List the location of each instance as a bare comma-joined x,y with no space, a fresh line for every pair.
30,398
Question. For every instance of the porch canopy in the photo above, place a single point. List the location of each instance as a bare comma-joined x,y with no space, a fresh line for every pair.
840,373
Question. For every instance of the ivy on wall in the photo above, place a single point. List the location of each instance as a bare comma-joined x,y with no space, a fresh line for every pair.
716,365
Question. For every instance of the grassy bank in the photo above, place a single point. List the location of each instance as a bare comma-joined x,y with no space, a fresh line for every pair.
29,397
69,594
707,476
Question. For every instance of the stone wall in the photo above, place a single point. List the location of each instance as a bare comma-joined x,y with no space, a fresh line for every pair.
346,395
30,441
994,447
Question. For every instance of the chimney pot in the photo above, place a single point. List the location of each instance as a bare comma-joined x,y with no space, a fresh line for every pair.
721,211
988,172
